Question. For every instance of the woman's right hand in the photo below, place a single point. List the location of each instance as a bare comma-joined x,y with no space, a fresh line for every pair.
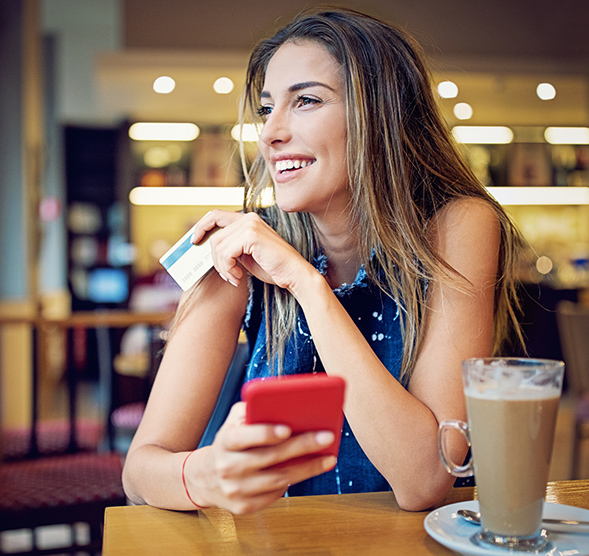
248,240
240,472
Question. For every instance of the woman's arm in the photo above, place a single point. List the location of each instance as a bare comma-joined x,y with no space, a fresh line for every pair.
398,428
235,472
184,392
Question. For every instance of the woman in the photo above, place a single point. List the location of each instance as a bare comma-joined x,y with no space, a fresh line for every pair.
382,261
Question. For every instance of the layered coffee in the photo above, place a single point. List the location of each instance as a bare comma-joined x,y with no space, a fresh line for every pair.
511,446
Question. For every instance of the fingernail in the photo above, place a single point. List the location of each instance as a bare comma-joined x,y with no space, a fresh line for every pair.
223,277
231,282
329,462
325,438
281,431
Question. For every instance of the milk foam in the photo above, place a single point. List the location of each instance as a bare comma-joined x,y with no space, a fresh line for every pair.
493,391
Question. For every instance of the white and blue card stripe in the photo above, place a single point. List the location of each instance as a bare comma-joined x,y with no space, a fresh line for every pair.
177,251
187,263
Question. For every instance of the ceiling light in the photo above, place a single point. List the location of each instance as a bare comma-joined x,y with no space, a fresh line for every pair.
164,85
195,196
544,264
463,111
546,195
233,196
207,196
152,131
223,86
567,135
545,91
247,133
483,135
448,89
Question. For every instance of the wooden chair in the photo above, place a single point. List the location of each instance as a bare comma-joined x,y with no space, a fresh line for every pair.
67,489
68,486
573,330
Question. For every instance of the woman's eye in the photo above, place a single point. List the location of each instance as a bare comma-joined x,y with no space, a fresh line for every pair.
307,101
264,111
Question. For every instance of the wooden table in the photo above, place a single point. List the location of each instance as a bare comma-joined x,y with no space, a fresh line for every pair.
348,524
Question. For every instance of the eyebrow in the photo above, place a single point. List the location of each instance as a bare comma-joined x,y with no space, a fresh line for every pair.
300,86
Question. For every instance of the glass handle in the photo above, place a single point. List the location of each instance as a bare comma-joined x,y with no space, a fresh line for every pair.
465,470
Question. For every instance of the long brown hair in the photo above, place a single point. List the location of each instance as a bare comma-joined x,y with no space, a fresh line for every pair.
403,167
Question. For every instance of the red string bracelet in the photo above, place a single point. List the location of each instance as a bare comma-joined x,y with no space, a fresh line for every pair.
184,482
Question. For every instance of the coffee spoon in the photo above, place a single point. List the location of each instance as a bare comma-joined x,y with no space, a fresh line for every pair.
475,519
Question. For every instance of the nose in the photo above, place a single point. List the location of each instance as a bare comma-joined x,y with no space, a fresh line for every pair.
276,129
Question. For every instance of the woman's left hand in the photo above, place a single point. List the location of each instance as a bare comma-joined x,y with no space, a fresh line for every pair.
246,239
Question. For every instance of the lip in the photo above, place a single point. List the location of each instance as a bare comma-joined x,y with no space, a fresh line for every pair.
289,156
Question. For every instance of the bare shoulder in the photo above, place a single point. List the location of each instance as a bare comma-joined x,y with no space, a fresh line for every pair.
467,235
466,221
467,214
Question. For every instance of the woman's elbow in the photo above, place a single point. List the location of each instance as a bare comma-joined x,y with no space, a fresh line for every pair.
127,479
423,496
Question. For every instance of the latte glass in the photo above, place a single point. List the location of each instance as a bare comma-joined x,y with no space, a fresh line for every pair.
512,404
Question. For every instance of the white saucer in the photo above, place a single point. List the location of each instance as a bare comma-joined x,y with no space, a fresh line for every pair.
453,532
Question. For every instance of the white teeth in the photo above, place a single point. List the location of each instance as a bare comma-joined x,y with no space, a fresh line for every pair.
282,165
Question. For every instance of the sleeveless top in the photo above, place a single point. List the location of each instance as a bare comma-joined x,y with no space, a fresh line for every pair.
377,316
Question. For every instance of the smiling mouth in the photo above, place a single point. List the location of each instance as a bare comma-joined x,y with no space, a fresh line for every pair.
283,166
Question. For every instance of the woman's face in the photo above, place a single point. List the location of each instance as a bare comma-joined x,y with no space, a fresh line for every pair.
304,138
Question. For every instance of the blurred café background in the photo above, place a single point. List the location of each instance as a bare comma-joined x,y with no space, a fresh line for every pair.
91,196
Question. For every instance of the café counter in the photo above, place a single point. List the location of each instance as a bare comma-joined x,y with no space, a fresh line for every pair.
347,524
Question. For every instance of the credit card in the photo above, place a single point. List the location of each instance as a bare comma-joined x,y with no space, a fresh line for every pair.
187,263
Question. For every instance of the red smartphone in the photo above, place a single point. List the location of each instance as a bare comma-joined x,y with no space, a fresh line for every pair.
308,402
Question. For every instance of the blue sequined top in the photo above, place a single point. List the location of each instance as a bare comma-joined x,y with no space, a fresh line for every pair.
377,317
